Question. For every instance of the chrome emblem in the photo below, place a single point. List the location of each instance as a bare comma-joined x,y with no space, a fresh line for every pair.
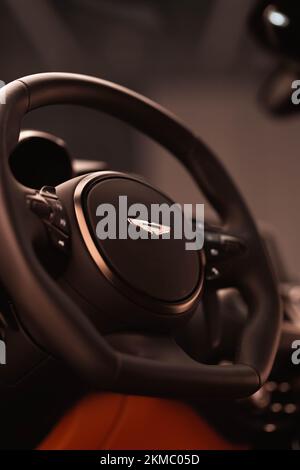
150,227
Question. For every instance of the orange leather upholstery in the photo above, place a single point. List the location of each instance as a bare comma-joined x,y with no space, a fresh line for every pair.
111,421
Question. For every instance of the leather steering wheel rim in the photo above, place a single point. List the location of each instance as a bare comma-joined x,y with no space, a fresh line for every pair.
58,322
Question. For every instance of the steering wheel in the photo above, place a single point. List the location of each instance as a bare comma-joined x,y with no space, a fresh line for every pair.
112,313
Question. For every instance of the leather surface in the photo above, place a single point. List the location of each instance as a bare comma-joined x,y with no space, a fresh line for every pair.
112,422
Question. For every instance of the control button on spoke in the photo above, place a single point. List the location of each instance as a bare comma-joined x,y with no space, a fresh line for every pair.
58,239
40,207
212,274
214,252
58,217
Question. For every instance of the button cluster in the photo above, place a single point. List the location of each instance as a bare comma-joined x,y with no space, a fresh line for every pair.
46,205
220,247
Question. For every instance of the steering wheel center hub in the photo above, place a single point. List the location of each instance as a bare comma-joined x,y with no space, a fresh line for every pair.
133,228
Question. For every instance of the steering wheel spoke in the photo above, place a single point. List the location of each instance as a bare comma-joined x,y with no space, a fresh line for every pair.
159,362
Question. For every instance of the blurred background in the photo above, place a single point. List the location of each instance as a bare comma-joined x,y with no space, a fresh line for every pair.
198,59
